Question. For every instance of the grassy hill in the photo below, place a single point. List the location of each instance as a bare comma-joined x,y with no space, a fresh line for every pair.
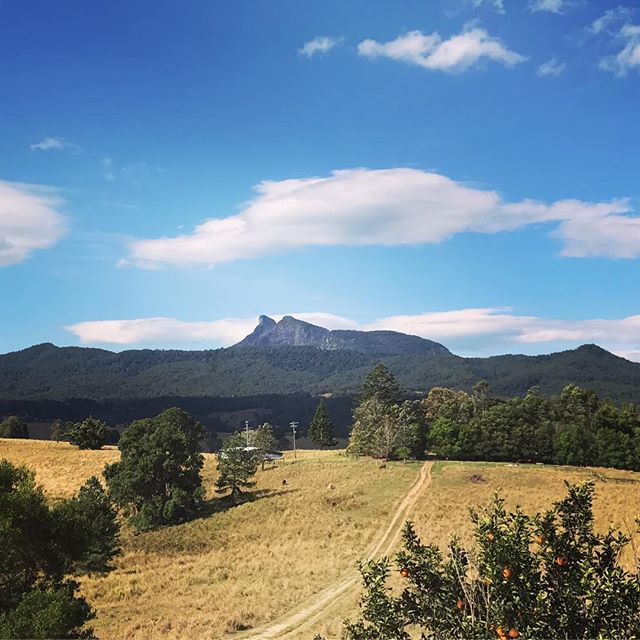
244,566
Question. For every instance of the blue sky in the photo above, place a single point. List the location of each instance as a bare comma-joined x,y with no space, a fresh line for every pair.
466,170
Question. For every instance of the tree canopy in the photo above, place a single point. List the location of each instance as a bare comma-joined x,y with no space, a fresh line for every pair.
13,427
236,465
321,429
157,480
90,433
42,547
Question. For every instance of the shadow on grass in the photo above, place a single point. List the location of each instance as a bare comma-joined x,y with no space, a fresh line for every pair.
224,503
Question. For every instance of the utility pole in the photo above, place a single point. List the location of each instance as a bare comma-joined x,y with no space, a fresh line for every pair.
293,426
246,429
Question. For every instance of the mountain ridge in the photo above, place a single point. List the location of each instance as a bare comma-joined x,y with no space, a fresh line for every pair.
292,332
48,372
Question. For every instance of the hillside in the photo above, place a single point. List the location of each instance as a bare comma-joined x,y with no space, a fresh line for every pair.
276,374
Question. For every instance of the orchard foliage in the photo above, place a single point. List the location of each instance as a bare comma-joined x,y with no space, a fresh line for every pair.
536,577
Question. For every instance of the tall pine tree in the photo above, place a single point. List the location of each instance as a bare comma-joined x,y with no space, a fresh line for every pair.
321,427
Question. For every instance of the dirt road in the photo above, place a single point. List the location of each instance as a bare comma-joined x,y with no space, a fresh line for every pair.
311,610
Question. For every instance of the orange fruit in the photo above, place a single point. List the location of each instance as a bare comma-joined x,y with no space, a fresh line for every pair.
561,561
404,573
514,633
539,538
507,573
460,604
490,536
501,633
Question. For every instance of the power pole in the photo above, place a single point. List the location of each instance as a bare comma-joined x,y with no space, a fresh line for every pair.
246,428
293,426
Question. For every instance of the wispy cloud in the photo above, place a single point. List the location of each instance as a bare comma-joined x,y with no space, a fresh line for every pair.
628,58
430,51
611,18
552,6
400,206
29,220
320,44
51,143
498,5
552,67
466,330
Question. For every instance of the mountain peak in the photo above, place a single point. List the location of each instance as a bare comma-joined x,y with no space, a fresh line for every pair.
292,332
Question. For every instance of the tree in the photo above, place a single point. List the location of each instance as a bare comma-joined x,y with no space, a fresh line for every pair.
381,385
91,433
236,465
264,440
13,427
42,548
58,430
88,528
542,576
321,427
157,480
379,430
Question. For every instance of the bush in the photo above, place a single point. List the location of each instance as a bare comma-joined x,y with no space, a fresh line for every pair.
91,433
535,577
157,480
13,427
40,547
236,465
88,529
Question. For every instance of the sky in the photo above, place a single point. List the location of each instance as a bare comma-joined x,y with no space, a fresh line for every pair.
463,170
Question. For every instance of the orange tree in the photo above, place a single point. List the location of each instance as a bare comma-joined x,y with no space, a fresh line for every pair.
544,576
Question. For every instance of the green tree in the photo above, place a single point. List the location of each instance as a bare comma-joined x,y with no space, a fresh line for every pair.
157,480
544,576
382,386
42,548
264,440
91,433
88,528
13,427
379,430
321,428
58,430
236,465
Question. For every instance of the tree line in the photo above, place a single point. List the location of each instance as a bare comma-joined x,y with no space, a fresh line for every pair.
573,428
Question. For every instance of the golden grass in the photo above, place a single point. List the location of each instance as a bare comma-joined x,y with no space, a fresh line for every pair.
236,568
60,467
250,564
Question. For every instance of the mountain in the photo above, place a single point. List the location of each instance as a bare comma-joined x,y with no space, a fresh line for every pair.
276,373
292,332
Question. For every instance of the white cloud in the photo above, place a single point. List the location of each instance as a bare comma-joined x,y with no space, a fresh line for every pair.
552,67
29,220
430,51
52,143
498,5
464,330
628,58
609,18
552,6
359,207
320,44
107,169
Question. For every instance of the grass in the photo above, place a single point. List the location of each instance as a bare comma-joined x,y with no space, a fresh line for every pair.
238,567
241,567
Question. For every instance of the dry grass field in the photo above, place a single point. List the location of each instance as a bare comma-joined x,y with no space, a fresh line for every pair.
242,567
236,568
443,510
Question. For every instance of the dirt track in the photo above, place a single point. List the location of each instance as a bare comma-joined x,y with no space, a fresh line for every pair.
312,609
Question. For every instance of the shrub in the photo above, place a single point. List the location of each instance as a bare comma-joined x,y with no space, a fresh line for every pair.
535,577
91,433
13,427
